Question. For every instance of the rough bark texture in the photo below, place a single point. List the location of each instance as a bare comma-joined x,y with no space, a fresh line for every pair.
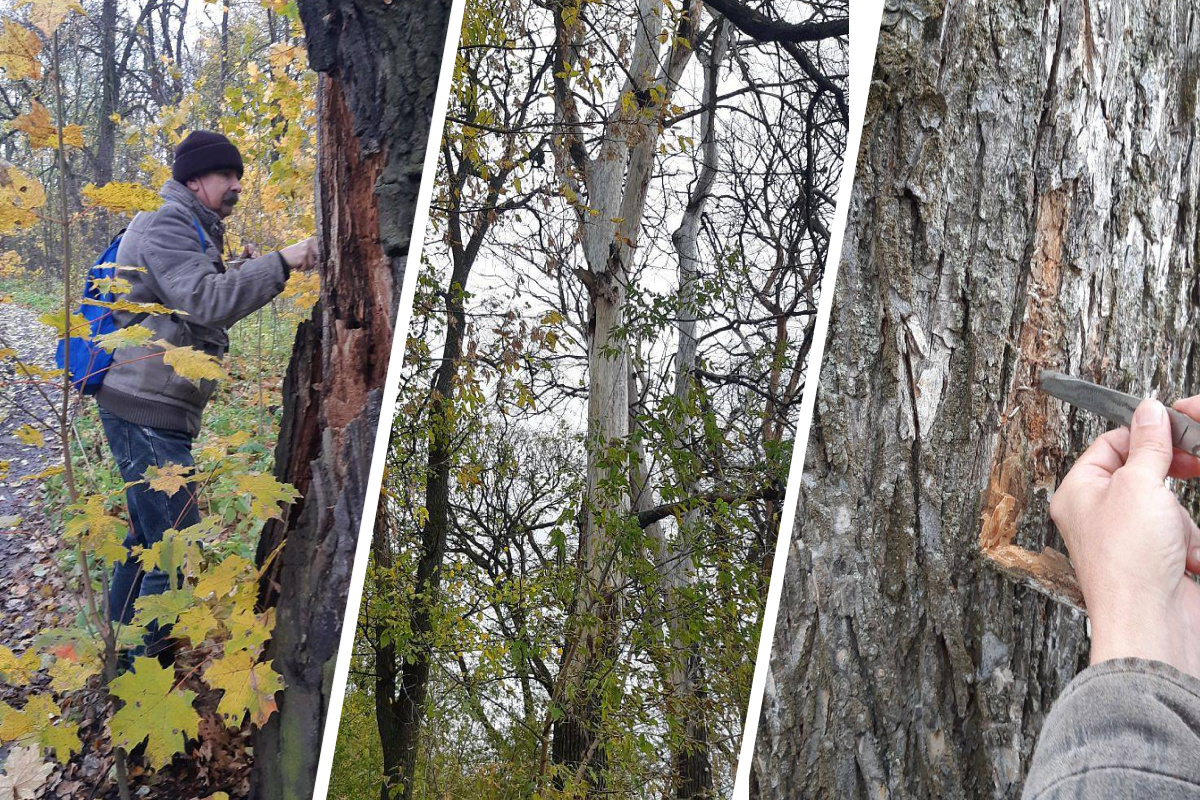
380,62
1025,198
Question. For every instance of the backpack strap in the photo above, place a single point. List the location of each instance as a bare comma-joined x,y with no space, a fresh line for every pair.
199,232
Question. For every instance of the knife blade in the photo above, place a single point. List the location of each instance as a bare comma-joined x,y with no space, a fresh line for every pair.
1116,406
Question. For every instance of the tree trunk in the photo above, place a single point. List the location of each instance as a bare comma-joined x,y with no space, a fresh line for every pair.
616,181
380,63
1025,199
106,128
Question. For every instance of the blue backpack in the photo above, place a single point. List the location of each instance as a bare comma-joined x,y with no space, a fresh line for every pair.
89,361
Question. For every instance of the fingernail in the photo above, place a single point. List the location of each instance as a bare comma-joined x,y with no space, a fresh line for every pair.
1150,412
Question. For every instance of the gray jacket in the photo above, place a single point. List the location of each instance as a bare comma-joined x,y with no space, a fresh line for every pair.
1123,728
177,274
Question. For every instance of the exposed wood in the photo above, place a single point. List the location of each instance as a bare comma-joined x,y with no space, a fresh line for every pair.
380,62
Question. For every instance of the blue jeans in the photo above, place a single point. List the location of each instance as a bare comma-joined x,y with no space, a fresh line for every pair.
151,513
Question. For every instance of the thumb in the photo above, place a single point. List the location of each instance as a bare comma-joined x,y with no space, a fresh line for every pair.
1150,441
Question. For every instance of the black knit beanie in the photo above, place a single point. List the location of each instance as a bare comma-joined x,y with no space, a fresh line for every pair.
203,152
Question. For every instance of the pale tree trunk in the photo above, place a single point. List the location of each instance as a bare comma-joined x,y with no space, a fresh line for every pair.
614,183
1025,199
380,63
691,760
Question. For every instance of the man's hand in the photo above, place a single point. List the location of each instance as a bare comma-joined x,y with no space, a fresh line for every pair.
1131,541
249,251
301,255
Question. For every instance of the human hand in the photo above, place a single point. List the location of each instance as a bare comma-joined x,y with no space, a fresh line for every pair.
301,255
1132,542
249,251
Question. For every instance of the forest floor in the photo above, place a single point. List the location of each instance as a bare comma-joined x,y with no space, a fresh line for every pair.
36,597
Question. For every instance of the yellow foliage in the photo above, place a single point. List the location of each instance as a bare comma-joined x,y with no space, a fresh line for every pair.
27,434
74,663
303,288
95,530
73,325
265,493
39,127
49,14
19,49
39,722
169,478
154,710
190,363
10,264
122,198
19,196
18,670
248,686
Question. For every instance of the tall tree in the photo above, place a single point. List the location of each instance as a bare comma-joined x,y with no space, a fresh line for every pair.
1025,199
380,63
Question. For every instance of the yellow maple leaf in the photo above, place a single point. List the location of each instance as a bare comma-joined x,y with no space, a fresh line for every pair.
48,472
169,478
49,14
249,631
19,49
131,306
226,578
39,127
190,363
154,711
75,662
27,434
195,624
170,553
20,195
121,198
75,325
266,493
18,670
248,686
115,284
39,722
163,608
95,530
131,336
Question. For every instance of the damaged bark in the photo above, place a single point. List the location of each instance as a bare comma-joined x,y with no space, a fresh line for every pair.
1025,199
380,63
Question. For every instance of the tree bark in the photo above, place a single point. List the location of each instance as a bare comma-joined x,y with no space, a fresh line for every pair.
110,88
1025,199
380,63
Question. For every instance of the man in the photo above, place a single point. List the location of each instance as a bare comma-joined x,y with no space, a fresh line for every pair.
150,414
1129,725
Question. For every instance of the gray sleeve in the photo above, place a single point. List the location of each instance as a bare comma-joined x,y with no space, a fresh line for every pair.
191,282
1123,728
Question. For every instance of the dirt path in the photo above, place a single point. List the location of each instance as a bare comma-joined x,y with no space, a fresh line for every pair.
31,585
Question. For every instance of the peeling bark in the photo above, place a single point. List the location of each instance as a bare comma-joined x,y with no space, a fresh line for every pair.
380,63
1024,200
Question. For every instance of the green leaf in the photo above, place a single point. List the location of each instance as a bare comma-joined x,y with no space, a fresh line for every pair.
155,711
163,608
